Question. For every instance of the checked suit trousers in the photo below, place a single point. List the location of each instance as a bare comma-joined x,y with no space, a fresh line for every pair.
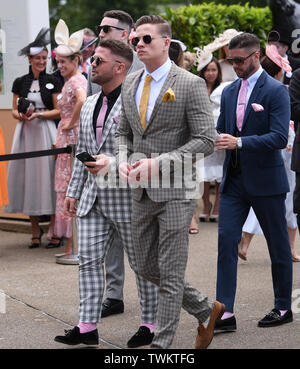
95,235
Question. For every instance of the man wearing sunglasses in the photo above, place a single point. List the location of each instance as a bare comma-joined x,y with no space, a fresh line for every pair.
116,24
175,119
103,212
253,128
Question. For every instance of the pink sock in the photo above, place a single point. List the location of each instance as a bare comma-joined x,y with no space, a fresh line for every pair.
87,327
227,315
150,326
282,312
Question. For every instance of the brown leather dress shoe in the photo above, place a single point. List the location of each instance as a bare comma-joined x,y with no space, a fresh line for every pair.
205,335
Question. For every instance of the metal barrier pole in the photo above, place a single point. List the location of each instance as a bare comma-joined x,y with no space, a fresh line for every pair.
71,259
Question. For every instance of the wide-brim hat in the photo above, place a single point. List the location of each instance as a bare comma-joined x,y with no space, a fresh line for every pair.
203,58
67,45
222,40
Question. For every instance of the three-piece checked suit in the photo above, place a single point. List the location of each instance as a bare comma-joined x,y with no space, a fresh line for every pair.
101,213
161,216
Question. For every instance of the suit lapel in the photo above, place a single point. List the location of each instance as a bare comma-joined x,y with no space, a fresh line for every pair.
132,92
169,82
233,94
254,96
116,109
90,128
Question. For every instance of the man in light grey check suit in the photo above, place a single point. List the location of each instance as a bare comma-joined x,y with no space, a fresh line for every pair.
115,24
103,211
178,122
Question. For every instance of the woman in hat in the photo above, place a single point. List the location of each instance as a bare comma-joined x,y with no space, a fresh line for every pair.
31,181
70,101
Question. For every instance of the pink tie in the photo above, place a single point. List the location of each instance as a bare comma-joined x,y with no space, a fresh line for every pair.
241,107
100,120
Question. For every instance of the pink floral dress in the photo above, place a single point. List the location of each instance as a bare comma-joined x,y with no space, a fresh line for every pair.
63,170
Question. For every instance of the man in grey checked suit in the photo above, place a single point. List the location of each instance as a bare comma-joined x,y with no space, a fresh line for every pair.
103,211
114,261
178,122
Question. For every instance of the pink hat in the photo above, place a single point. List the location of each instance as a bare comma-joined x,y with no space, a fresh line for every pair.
273,54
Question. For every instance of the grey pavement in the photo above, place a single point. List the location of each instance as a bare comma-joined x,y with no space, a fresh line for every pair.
39,298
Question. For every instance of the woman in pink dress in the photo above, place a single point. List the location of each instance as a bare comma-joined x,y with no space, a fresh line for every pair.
70,102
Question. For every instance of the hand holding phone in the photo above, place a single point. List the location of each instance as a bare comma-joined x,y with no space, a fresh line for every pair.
84,157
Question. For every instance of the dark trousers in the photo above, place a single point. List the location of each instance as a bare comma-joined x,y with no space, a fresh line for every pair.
234,207
296,199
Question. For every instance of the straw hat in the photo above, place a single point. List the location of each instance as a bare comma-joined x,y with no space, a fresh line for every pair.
222,40
203,58
204,55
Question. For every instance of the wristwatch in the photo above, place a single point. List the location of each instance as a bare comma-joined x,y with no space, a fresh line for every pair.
239,143
41,115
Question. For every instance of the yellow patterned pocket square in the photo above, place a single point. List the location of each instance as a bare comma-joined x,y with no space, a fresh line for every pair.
169,95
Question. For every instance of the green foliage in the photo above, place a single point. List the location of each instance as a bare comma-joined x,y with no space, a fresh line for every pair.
258,3
79,14
198,25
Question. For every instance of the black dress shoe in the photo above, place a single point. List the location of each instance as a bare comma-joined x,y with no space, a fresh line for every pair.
225,325
112,306
274,318
74,337
143,337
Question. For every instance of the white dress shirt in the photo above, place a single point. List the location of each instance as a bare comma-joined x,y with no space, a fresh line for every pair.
252,82
159,76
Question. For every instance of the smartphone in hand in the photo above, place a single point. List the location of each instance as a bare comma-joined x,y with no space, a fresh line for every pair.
85,156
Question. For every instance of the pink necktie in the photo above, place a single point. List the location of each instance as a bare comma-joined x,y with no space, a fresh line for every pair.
241,107
100,120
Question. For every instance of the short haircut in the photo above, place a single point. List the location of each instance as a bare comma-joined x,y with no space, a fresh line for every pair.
123,18
269,66
244,41
118,48
164,27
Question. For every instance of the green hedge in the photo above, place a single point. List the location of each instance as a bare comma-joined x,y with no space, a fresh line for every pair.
198,25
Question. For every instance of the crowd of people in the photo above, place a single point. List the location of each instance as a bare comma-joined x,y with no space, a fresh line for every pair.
120,101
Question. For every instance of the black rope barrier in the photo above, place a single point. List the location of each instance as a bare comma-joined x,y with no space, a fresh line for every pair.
35,154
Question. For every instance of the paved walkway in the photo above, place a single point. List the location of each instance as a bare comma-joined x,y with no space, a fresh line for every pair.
39,297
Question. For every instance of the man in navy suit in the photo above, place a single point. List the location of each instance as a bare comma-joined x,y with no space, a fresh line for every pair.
253,128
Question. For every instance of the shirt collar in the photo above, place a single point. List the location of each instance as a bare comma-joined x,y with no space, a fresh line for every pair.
113,95
159,72
254,77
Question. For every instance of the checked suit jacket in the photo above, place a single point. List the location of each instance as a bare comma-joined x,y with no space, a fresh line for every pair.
115,202
176,128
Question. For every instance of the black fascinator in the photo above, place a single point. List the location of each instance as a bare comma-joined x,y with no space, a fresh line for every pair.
35,47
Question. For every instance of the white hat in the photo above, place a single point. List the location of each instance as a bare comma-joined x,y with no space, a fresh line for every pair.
67,45
203,58
222,40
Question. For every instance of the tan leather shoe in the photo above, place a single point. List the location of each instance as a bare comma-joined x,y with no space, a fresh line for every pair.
205,335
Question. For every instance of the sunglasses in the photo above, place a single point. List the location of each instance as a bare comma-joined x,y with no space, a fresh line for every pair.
146,39
99,60
239,60
106,29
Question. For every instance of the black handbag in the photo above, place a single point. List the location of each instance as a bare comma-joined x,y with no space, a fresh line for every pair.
25,106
